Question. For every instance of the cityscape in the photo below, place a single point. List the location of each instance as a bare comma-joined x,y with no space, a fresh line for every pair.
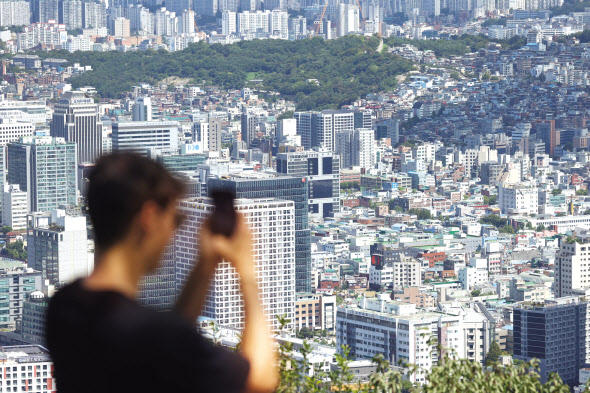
415,173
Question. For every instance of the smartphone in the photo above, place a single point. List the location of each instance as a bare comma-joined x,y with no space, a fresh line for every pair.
223,219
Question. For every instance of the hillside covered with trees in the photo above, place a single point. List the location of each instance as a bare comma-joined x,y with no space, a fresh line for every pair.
316,73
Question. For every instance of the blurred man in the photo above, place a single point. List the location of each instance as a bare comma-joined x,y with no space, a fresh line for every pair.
102,340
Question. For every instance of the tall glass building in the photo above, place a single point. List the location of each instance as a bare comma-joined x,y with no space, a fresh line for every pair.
46,168
264,185
556,334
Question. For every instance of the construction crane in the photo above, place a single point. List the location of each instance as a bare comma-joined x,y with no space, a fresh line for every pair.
317,28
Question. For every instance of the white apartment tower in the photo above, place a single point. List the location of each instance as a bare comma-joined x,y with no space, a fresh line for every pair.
228,23
572,266
186,22
364,148
14,207
272,223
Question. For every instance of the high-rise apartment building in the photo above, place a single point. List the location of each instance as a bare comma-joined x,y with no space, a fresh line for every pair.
349,19
572,266
14,207
121,27
322,172
45,10
139,136
70,14
45,168
272,223
228,23
186,22
556,334
319,129
260,185
363,148
15,13
76,119
57,244
95,15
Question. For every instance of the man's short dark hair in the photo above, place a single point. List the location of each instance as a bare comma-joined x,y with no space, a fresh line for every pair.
119,185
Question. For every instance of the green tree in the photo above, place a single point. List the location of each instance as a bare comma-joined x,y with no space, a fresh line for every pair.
6,229
493,354
540,228
475,293
556,191
582,192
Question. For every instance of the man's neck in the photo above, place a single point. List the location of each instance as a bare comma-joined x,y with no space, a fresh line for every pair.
116,270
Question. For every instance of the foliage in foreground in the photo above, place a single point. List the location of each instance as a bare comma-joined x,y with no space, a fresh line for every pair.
450,376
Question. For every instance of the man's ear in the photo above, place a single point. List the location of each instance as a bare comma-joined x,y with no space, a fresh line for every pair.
148,217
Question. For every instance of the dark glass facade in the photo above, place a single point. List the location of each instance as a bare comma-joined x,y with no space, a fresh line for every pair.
556,335
285,188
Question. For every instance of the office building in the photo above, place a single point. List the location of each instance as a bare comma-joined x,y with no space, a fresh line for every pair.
58,245
556,334
157,290
14,207
16,283
45,168
12,130
248,123
34,314
547,133
322,172
139,136
182,162
343,145
142,109
27,368
262,185
76,119
349,19
272,223
209,137
401,333
572,270
23,111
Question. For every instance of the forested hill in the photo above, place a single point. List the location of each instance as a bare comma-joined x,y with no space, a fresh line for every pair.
345,69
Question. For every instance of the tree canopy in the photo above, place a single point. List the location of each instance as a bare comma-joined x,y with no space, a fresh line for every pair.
315,73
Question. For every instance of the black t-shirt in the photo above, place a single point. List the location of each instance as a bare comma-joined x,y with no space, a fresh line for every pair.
102,341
